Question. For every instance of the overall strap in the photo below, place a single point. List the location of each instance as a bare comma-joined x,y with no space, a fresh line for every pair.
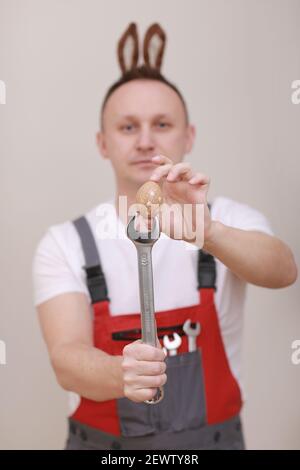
206,269
95,277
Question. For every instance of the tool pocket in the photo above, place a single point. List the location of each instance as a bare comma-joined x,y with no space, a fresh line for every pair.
183,406
135,418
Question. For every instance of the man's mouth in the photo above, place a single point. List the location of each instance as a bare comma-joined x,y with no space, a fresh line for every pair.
144,162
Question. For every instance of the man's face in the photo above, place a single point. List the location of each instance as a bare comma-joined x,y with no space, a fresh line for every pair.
141,119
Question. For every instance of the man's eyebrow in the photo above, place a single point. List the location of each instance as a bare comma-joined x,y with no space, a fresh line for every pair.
134,117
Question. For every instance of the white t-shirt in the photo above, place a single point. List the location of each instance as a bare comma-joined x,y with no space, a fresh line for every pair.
58,261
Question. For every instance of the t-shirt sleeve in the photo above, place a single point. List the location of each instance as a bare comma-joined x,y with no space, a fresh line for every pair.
52,271
243,216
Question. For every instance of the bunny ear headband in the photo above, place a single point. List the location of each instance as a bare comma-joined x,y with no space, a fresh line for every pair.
153,48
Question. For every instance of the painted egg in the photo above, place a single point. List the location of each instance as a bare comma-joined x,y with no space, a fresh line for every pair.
150,196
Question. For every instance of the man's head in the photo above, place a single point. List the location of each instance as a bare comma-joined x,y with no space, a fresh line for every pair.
143,114
141,118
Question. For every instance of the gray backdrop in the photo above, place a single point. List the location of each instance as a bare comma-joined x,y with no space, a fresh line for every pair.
235,62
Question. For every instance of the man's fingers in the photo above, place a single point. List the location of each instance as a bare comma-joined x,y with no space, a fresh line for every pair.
180,171
143,352
151,381
173,172
177,172
161,159
140,395
136,382
144,367
161,171
199,178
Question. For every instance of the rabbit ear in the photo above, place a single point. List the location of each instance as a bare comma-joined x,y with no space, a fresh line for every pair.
154,46
128,48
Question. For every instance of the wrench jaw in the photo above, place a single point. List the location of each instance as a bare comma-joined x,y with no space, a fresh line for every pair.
144,238
172,345
192,332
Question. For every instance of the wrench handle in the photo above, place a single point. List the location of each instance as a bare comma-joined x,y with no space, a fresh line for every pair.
149,330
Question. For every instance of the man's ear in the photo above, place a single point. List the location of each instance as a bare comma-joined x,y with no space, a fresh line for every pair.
100,142
190,138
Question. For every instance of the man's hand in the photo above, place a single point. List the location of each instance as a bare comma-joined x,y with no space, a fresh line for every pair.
182,186
143,371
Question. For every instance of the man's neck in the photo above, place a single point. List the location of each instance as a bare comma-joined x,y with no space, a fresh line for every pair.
130,194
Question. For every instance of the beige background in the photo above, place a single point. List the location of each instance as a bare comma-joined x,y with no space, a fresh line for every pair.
235,61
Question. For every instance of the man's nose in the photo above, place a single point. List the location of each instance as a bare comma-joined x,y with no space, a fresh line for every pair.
145,140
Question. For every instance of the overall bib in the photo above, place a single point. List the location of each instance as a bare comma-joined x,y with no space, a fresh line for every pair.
202,399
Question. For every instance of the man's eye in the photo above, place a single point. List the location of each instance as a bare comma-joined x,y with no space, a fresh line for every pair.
128,127
162,125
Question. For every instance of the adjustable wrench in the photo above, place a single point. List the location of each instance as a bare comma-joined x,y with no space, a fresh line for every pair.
144,242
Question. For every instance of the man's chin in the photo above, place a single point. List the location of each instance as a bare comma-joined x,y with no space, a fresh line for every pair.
140,177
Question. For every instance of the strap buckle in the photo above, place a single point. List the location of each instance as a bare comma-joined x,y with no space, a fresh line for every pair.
96,283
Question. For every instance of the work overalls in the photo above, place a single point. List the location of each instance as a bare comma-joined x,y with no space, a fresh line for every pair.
202,399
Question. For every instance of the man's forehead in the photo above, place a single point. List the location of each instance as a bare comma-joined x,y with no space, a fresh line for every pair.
144,99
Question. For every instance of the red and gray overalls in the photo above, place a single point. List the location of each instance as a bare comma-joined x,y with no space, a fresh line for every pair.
202,399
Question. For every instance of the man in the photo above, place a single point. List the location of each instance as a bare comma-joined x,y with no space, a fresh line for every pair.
98,356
